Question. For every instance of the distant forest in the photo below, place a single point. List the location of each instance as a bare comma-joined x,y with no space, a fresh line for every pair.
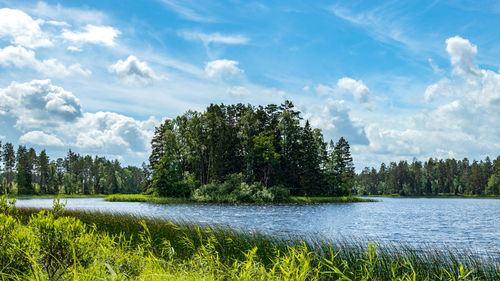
25,172
432,177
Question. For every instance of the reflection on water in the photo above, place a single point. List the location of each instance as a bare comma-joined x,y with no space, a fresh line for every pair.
471,223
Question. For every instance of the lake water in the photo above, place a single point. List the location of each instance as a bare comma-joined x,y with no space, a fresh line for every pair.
462,223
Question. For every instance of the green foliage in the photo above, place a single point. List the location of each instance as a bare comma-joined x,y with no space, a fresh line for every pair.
7,206
25,173
118,247
235,190
433,177
264,144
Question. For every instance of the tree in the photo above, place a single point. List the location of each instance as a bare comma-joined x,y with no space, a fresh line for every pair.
494,180
340,169
43,171
289,132
9,161
312,153
265,156
24,171
167,178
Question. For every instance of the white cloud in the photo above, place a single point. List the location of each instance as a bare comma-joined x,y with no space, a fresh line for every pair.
238,91
217,38
222,68
57,23
74,49
324,90
358,89
53,116
186,12
20,29
333,118
68,14
462,122
346,85
20,57
434,66
40,138
102,35
39,104
133,71
111,132
442,88
381,23
462,54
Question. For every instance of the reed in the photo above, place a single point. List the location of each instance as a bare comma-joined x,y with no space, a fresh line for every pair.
171,200
156,249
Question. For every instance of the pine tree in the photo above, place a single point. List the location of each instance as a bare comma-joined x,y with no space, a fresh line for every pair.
9,160
341,169
24,171
43,171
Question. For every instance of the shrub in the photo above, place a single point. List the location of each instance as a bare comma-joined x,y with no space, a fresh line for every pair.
63,241
235,190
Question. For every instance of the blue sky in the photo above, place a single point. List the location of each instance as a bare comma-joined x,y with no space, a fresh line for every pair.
398,79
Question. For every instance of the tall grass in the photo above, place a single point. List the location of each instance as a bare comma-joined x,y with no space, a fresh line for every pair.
155,249
169,200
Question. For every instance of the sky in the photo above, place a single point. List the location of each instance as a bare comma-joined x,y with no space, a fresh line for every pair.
400,80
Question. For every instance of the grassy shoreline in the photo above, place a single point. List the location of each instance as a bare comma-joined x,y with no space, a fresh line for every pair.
437,196
53,196
154,249
171,200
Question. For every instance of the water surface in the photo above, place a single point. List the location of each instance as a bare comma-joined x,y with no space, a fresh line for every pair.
463,223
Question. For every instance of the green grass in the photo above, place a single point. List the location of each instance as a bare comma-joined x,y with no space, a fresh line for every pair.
50,196
187,251
146,198
168,200
312,200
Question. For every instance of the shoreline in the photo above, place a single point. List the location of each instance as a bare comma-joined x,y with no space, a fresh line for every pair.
444,196
172,200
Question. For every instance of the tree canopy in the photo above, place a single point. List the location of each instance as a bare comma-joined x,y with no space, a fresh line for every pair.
271,145
432,177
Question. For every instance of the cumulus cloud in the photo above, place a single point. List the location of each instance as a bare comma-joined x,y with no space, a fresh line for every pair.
74,49
133,71
346,85
462,54
222,68
40,138
461,121
49,115
215,38
39,104
238,91
20,57
20,29
333,118
358,89
101,35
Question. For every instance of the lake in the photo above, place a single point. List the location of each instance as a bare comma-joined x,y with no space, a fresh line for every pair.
462,223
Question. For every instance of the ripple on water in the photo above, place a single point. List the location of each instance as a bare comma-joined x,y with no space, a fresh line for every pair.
462,223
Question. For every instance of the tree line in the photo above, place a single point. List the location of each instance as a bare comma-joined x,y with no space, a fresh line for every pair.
432,177
25,172
267,146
